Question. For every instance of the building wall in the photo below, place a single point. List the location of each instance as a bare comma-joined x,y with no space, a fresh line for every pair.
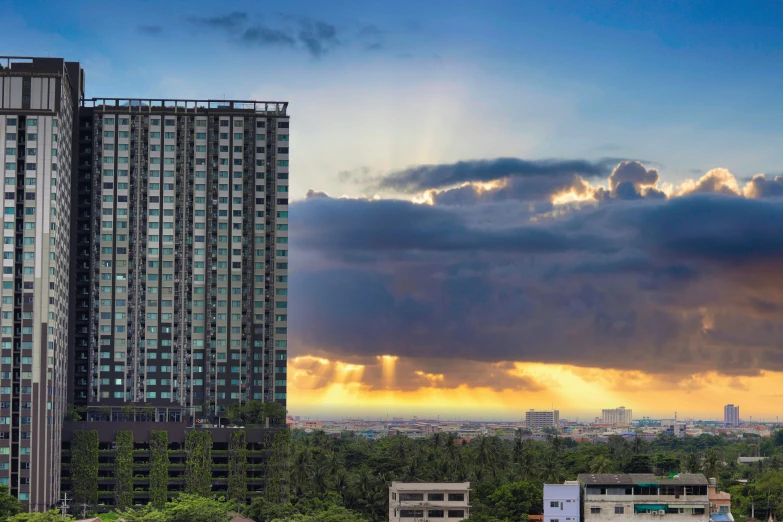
429,505
36,133
541,419
616,416
190,257
599,508
562,503
259,442
731,415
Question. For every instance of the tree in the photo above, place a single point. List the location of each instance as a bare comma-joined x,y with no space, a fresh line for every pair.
193,508
601,464
42,516
711,463
692,462
516,500
9,504
256,412
639,464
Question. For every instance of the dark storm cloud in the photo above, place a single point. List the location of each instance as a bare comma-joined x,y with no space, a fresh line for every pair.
345,226
150,30
531,188
675,286
424,177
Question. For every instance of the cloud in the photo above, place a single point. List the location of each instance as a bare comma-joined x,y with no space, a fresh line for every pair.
227,22
631,180
716,181
317,37
260,35
150,30
762,187
424,177
407,374
679,285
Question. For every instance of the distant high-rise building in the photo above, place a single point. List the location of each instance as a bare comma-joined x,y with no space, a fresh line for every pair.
542,419
731,415
39,106
619,415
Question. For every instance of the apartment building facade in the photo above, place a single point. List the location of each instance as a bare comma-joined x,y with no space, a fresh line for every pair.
542,419
188,261
39,103
731,415
619,497
562,502
619,415
419,501
145,261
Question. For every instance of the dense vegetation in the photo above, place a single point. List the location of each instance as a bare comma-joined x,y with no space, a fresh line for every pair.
317,478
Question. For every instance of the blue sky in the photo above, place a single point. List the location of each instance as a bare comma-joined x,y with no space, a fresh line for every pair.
686,85
544,268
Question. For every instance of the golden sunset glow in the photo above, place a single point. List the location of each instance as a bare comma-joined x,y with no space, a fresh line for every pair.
577,392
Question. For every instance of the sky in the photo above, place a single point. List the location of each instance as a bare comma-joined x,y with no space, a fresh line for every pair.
498,205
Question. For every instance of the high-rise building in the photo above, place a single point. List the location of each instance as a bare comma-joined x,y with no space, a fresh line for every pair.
619,415
542,419
731,415
39,105
145,262
189,261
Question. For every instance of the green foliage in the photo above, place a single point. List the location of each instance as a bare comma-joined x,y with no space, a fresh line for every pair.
237,466
277,472
639,464
198,463
42,516
256,412
84,467
306,510
159,468
73,413
123,470
514,501
9,505
185,508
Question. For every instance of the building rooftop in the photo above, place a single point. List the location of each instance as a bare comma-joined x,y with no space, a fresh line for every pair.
276,108
428,486
632,479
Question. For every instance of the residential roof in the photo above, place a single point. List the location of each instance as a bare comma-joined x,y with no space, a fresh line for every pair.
431,486
630,479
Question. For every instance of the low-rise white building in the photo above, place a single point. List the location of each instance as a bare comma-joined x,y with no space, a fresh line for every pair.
562,502
419,501
643,497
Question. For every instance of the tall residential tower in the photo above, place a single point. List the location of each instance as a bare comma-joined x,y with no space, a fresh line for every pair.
189,255
39,103
145,263
731,415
